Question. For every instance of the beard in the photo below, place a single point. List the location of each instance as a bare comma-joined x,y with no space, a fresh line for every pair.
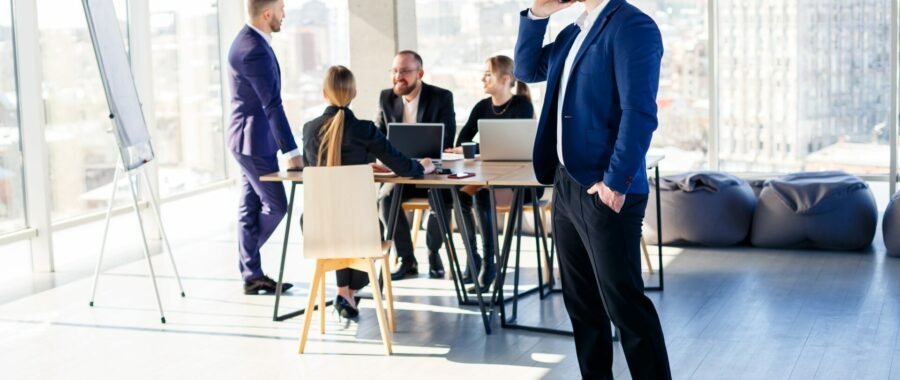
406,90
275,25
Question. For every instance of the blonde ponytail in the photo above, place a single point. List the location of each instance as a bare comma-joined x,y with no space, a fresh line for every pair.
340,89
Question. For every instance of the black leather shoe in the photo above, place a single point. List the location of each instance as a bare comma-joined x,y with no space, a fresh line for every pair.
467,278
486,279
435,266
343,307
407,268
265,285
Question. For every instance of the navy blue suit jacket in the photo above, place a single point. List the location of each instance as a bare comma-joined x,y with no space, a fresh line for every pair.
610,110
258,124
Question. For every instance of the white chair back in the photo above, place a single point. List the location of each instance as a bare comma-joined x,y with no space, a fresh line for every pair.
340,217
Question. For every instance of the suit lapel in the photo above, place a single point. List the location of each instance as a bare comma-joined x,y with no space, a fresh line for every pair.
556,69
596,29
397,113
423,102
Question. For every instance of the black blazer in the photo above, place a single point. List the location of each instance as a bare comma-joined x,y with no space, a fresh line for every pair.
360,142
435,106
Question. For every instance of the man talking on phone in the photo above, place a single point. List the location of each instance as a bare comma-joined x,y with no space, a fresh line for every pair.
599,115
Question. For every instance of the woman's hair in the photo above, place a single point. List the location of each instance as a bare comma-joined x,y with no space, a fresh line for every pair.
503,65
340,89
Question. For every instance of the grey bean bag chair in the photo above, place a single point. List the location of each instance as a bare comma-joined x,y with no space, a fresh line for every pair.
757,186
827,210
890,226
701,208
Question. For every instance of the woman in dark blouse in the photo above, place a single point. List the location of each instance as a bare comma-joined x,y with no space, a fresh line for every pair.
502,103
498,82
339,138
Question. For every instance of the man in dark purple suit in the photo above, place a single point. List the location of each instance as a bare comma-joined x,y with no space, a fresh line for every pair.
258,129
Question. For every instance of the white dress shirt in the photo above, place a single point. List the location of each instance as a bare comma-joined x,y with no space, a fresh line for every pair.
411,108
268,38
584,23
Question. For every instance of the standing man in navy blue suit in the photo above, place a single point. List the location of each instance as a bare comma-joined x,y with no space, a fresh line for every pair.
599,114
258,129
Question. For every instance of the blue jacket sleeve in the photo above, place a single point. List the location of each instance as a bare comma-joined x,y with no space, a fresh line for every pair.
531,57
638,52
259,69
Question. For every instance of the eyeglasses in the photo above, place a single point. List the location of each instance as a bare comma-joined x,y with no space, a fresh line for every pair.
403,72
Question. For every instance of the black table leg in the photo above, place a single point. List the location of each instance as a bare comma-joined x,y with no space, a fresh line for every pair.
287,234
658,234
437,203
517,210
504,253
464,230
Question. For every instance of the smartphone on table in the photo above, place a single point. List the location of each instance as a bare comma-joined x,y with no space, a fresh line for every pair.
460,175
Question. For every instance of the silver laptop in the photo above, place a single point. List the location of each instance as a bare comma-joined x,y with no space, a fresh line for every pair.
506,139
417,140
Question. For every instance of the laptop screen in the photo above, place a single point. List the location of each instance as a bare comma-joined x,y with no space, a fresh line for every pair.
417,141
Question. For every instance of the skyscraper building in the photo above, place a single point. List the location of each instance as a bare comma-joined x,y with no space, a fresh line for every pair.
800,76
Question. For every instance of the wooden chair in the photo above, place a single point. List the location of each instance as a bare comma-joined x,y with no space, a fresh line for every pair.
418,206
340,230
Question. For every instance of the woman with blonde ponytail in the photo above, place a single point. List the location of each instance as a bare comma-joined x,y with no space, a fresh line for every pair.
339,138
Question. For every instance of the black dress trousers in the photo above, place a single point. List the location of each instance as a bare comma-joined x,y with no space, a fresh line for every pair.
600,268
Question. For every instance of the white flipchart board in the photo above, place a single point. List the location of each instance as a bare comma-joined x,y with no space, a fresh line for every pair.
118,82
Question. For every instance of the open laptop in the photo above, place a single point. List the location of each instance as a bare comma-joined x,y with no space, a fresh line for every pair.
417,140
506,139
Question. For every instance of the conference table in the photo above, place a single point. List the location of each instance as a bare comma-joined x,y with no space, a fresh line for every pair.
516,175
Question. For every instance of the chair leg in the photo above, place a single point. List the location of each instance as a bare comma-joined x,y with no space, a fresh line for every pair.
379,308
307,317
416,226
505,220
321,304
646,255
389,290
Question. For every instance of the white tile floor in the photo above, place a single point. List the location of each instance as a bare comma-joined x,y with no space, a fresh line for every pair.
727,314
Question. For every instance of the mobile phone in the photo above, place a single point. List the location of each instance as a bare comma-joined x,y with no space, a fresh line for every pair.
461,175
443,171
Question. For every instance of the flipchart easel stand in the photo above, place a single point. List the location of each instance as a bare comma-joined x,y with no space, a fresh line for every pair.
129,127
133,178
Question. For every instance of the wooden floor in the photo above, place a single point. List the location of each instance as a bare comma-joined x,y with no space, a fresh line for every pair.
727,314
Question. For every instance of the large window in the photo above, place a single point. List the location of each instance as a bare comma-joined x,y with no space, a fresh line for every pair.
456,38
187,93
83,153
12,203
804,85
683,98
314,36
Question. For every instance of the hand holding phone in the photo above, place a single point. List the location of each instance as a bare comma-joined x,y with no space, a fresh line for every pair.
545,8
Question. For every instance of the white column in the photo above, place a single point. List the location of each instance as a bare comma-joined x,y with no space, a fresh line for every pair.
232,17
407,31
378,29
713,48
895,88
31,120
